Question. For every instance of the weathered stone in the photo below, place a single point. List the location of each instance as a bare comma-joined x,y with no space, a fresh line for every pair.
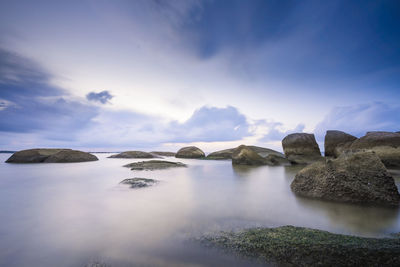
301,148
336,142
298,246
221,154
374,139
139,182
134,155
50,155
355,178
163,153
154,165
243,155
190,152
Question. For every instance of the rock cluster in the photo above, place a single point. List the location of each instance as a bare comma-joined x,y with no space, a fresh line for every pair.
50,155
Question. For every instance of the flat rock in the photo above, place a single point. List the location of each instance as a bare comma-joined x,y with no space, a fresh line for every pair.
298,246
190,152
336,142
261,151
139,182
354,178
154,165
163,153
221,154
301,148
134,155
50,155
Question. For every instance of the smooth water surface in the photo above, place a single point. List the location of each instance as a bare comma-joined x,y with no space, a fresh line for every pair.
76,213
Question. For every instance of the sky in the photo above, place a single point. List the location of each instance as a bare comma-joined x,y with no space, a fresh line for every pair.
103,75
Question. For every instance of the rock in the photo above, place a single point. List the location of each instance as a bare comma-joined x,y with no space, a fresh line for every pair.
154,165
389,156
275,160
298,246
163,153
336,142
243,155
374,139
264,152
133,155
190,152
301,148
355,178
50,155
222,154
139,182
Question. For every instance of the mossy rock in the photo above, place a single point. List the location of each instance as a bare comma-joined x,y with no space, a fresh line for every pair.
298,246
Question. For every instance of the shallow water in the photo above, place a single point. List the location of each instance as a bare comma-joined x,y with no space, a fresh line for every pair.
75,213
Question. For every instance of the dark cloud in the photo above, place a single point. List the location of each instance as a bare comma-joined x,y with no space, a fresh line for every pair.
30,104
359,119
103,97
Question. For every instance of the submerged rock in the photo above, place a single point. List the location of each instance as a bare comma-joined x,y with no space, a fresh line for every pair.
298,246
134,155
163,153
154,165
355,178
301,148
139,182
50,155
336,142
190,152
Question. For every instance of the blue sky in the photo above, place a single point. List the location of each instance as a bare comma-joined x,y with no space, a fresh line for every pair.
115,75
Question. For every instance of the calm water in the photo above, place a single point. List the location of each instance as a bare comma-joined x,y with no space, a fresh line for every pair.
76,213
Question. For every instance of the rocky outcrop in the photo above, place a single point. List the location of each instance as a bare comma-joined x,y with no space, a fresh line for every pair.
355,178
139,182
298,246
221,154
265,152
50,155
386,145
375,139
301,148
190,152
163,153
154,165
336,142
134,155
243,155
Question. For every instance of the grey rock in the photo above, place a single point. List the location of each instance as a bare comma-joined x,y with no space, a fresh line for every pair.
134,155
243,155
301,148
190,152
50,155
221,154
374,139
139,182
336,142
163,153
357,177
154,165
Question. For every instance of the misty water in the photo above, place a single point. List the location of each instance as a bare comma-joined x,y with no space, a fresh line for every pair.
77,213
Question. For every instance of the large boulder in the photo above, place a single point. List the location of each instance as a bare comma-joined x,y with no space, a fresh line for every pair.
374,139
221,154
243,155
190,152
134,155
336,142
355,177
301,148
386,145
50,155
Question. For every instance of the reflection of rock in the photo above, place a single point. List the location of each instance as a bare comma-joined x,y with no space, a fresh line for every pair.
360,219
301,148
190,152
154,165
48,155
298,246
163,153
357,178
336,142
133,155
139,182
